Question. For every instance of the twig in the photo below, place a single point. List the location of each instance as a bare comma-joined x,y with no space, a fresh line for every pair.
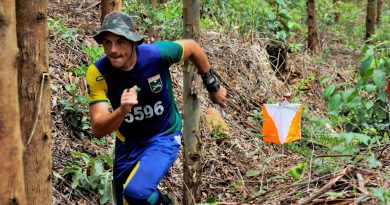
286,187
40,94
324,188
192,196
335,155
64,197
93,5
361,183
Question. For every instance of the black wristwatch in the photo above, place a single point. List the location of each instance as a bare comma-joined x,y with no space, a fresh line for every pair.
210,81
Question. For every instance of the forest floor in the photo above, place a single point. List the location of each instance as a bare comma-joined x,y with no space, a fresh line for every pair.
246,73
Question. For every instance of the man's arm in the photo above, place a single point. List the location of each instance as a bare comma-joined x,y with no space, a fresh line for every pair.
198,57
105,122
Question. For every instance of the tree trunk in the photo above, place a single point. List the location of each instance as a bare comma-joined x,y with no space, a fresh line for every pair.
192,166
312,25
370,19
12,190
109,6
379,7
155,2
336,4
34,98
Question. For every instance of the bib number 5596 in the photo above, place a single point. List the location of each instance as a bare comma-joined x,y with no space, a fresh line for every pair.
142,112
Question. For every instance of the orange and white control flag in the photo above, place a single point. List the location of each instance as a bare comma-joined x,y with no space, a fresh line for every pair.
281,122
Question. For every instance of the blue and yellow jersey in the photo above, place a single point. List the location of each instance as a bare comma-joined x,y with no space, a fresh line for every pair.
156,112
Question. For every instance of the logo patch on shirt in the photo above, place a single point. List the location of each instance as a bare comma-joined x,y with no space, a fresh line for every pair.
155,83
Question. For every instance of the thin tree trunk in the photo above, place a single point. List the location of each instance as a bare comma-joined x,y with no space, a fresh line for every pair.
12,190
192,166
379,7
108,6
336,3
153,2
34,98
312,25
370,18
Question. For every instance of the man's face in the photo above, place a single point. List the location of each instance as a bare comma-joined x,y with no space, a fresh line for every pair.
119,51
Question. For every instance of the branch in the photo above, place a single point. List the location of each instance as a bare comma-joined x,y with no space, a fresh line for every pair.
324,188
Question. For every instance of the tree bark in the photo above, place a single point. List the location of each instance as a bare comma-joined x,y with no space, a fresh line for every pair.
312,25
34,98
108,6
379,7
337,14
12,190
370,19
192,166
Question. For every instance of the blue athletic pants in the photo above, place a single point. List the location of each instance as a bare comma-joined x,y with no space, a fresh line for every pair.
139,168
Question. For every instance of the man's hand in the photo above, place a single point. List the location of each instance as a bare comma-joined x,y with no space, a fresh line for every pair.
219,97
129,98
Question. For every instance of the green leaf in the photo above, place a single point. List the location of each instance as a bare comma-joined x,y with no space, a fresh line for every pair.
369,105
362,138
105,188
328,91
373,163
324,80
148,21
293,26
365,65
347,136
284,14
297,171
252,173
334,102
370,88
382,194
356,101
347,95
379,78
350,136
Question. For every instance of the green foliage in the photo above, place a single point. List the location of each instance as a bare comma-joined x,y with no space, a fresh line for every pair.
299,88
382,194
248,17
91,174
164,20
58,28
297,171
76,108
218,132
76,114
255,120
362,107
93,52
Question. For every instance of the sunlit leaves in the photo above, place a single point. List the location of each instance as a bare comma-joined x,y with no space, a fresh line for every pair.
328,91
365,65
334,102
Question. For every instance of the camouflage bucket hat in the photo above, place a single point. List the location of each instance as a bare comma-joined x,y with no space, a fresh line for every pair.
121,24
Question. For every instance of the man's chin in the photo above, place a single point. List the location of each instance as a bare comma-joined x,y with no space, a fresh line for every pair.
117,65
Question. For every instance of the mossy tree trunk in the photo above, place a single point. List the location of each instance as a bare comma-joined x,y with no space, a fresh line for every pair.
34,98
108,6
370,18
12,190
192,165
379,7
312,26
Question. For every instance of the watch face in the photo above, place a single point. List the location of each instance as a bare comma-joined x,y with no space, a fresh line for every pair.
211,81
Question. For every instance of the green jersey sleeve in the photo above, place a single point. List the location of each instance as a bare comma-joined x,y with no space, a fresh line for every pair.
171,52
